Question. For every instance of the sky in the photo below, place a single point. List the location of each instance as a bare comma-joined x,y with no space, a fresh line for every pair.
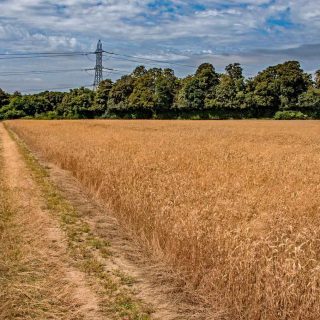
255,33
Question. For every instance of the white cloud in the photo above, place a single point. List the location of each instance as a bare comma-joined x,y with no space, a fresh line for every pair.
204,30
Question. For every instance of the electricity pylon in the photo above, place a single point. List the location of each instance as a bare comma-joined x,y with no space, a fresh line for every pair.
98,77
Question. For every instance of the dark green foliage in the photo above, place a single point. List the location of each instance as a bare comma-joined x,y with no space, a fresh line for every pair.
279,87
30,105
166,87
120,93
229,93
290,115
196,89
310,99
283,91
142,98
77,104
52,99
143,94
317,79
7,112
27,104
309,103
101,98
234,71
4,98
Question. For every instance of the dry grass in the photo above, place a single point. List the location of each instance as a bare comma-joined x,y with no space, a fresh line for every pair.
234,206
31,280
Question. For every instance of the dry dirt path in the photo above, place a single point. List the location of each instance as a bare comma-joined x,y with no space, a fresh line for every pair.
56,285
87,260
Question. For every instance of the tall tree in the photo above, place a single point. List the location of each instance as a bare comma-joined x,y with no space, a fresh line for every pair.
120,93
166,86
317,79
139,71
77,104
4,98
229,93
100,104
279,86
142,98
234,71
197,88
309,102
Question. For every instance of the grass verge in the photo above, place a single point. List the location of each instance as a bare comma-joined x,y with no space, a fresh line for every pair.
88,251
30,284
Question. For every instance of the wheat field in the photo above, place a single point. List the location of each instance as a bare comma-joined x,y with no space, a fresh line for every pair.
233,206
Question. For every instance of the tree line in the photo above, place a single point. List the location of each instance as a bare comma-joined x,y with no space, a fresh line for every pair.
283,91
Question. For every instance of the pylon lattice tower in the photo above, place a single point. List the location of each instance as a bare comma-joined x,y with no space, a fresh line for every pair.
98,77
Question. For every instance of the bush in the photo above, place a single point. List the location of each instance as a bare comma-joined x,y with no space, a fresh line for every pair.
290,115
195,117
7,112
50,115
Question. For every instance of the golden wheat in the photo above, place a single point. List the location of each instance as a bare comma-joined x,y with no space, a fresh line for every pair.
233,206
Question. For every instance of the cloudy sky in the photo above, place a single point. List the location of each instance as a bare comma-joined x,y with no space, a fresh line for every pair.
256,33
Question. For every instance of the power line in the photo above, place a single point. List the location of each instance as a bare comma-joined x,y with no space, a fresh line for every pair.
140,62
132,58
58,88
103,68
110,70
13,73
3,57
47,53
99,69
84,53
115,72
147,59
